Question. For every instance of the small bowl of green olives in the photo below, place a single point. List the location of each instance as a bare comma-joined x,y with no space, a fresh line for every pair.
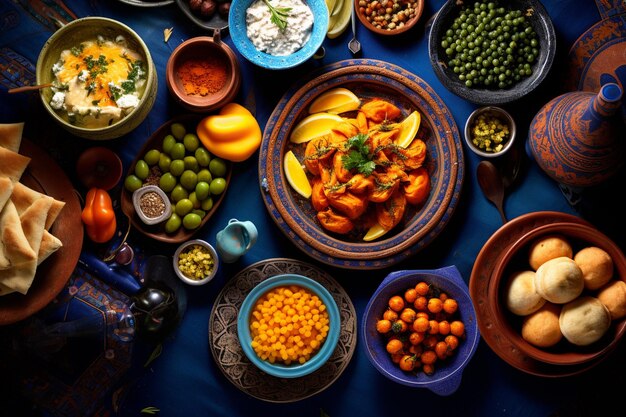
492,52
196,262
193,180
490,131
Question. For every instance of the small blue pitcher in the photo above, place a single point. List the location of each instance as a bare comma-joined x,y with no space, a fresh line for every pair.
235,240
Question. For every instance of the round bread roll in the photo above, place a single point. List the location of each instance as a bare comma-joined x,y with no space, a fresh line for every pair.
522,298
559,280
541,328
548,247
597,266
584,320
613,296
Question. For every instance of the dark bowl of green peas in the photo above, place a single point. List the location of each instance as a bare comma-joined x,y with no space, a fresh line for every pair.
490,51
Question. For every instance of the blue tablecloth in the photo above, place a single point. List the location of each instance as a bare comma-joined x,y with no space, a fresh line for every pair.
185,379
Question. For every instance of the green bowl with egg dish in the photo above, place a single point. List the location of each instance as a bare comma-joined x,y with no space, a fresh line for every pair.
278,34
102,76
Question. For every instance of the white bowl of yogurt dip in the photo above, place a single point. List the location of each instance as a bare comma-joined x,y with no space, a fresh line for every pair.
103,78
294,35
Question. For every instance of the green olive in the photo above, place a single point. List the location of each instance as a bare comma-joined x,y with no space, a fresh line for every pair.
194,200
152,157
199,212
207,204
178,193
189,179
178,130
203,156
191,221
205,175
191,142
217,186
202,190
167,182
217,166
177,167
164,162
191,163
183,207
141,169
173,223
132,183
178,151
168,142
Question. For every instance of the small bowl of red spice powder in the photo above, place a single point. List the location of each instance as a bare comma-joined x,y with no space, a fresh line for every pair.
203,73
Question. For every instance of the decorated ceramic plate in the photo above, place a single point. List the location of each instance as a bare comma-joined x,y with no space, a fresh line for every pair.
484,267
444,162
230,357
157,231
43,174
147,3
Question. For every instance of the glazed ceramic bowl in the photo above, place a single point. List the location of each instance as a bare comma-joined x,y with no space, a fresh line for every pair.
444,161
542,25
208,52
238,33
325,351
71,35
489,113
187,246
448,373
414,7
515,259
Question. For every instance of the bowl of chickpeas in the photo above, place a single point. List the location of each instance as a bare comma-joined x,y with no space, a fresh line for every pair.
492,51
389,17
490,131
196,262
289,326
419,329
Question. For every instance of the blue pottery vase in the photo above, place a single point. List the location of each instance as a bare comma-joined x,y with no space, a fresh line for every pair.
578,138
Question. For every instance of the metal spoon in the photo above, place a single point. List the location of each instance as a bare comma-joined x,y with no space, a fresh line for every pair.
354,45
490,182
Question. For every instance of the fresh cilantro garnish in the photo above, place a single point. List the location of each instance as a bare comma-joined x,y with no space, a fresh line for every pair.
359,156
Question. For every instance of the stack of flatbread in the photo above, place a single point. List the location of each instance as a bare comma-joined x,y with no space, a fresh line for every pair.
26,216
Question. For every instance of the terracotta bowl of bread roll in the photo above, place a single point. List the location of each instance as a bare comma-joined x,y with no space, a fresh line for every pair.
559,295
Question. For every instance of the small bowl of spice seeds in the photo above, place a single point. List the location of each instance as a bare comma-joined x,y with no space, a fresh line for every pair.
389,17
152,205
490,131
196,262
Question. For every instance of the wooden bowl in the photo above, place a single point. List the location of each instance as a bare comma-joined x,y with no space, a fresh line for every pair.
408,24
444,161
515,258
207,49
157,231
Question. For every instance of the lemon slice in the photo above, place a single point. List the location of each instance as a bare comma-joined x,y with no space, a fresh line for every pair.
330,5
296,177
337,7
409,128
374,233
339,19
314,125
337,100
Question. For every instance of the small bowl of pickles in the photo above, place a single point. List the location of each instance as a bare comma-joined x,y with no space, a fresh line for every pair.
196,262
194,180
490,131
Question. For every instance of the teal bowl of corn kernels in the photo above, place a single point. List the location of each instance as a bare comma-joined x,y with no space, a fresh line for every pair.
310,332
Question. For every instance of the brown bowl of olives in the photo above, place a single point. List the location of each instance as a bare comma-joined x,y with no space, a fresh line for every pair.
208,14
194,180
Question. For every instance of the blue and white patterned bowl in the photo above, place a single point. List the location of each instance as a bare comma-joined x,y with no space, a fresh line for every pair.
238,33
319,358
